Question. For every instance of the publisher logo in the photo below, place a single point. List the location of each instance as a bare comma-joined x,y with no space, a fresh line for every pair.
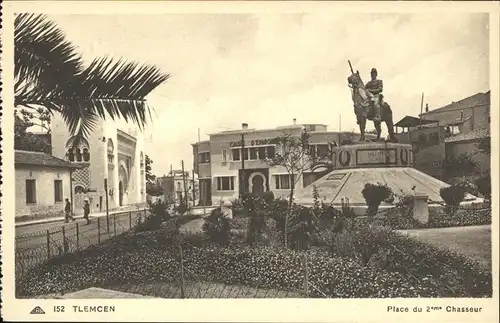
37,310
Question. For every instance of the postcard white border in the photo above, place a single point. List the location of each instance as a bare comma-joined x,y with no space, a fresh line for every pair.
290,310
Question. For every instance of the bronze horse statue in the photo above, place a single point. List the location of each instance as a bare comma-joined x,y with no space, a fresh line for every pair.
365,106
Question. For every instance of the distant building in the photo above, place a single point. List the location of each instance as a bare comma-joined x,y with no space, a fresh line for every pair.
219,161
42,183
176,186
448,132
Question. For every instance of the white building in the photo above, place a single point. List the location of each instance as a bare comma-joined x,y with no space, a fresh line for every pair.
114,151
42,183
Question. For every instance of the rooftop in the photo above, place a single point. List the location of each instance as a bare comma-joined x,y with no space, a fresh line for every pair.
471,135
41,159
475,100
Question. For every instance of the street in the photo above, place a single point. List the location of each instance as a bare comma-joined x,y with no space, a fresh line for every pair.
37,243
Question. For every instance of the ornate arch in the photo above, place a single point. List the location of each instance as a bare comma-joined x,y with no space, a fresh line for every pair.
123,176
264,181
78,153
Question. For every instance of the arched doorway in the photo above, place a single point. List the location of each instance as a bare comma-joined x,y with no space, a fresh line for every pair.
120,193
257,183
122,185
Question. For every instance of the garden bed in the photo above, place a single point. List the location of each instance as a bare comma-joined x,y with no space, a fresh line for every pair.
415,269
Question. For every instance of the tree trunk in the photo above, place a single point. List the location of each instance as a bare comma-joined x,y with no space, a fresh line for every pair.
290,201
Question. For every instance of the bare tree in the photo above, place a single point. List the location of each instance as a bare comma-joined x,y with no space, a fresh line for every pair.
293,154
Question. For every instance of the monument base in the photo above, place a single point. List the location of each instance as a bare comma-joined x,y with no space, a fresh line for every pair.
375,162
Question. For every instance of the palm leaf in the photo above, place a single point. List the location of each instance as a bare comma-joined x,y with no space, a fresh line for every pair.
44,61
49,73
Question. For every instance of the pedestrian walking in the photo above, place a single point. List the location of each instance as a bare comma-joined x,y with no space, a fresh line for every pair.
86,211
67,211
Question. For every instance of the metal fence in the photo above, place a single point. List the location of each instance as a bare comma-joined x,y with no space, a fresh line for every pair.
35,248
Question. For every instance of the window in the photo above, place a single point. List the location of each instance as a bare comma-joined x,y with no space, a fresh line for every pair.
312,151
30,191
236,154
86,155
204,158
224,155
262,153
78,155
245,154
179,186
323,150
79,190
283,182
270,151
225,183
253,153
58,190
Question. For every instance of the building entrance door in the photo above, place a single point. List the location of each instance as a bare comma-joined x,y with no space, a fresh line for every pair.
120,193
257,183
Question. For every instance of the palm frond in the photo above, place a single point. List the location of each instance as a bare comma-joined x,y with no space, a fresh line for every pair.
50,73
43,56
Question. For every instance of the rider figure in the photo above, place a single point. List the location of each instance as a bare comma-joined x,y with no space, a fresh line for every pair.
375,87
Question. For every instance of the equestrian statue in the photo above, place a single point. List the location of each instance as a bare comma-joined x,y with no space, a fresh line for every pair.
369,104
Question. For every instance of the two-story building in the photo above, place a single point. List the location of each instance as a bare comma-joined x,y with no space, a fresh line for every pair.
234,161
178,185
449,131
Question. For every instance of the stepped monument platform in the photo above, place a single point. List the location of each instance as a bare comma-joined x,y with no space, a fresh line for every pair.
373,162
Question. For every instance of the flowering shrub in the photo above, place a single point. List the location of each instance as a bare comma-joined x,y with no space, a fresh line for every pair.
437,219
462,217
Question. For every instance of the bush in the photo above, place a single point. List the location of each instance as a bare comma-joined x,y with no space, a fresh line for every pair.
452,195
484,186
302,227
455,275
158,213
217,227
374,194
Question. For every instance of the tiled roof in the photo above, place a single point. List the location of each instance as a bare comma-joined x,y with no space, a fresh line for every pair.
471,101
41,159
471,135
454,122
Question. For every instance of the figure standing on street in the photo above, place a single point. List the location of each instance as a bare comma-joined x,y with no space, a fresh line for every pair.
86,211
67,211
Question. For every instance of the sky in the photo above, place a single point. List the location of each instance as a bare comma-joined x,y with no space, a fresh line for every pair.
266,69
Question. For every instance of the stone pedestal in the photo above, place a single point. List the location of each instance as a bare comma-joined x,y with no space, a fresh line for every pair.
387,163
420,208
372,154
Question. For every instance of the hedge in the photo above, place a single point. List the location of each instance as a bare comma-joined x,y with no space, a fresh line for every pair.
148,256
438,219
456,275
